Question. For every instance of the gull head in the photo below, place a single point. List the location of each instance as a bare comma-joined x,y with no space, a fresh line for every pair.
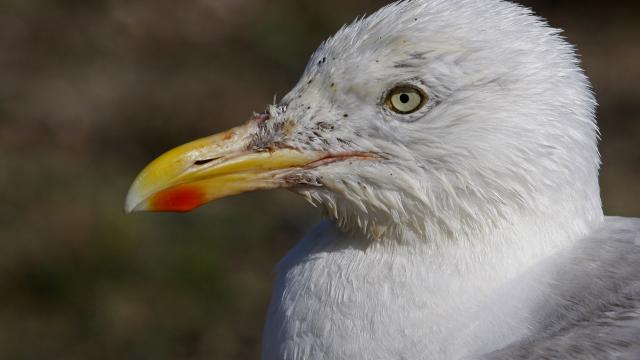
433,118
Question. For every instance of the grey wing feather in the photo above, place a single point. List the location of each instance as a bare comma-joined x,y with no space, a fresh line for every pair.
593,309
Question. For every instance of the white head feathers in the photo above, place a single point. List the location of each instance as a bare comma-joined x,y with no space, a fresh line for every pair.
508,130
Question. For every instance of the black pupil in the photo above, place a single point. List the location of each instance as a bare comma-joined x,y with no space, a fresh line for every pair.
404,98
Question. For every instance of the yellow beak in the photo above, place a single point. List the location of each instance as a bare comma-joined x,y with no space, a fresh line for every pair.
212,168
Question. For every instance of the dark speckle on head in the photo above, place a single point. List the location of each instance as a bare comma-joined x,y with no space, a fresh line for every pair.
324,126
402,65
343,141
418,55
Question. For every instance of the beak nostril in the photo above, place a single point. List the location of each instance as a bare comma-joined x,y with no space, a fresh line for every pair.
206,161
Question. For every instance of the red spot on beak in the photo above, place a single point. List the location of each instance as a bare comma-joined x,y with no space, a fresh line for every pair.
178,199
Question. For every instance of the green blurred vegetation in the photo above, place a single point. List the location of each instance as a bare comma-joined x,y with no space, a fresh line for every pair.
92,90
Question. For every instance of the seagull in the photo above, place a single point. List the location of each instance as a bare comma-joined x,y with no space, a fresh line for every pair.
452,145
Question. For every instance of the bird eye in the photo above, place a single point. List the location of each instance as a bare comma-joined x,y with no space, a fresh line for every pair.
406,99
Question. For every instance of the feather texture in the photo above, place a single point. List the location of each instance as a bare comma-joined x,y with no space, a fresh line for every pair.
481,234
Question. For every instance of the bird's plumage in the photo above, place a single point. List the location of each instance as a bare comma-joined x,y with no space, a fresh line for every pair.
589,307
431,253
580,303
468,227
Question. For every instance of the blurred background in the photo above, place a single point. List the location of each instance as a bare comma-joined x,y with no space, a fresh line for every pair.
90,91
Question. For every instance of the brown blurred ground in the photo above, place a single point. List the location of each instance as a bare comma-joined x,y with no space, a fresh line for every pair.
92,90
